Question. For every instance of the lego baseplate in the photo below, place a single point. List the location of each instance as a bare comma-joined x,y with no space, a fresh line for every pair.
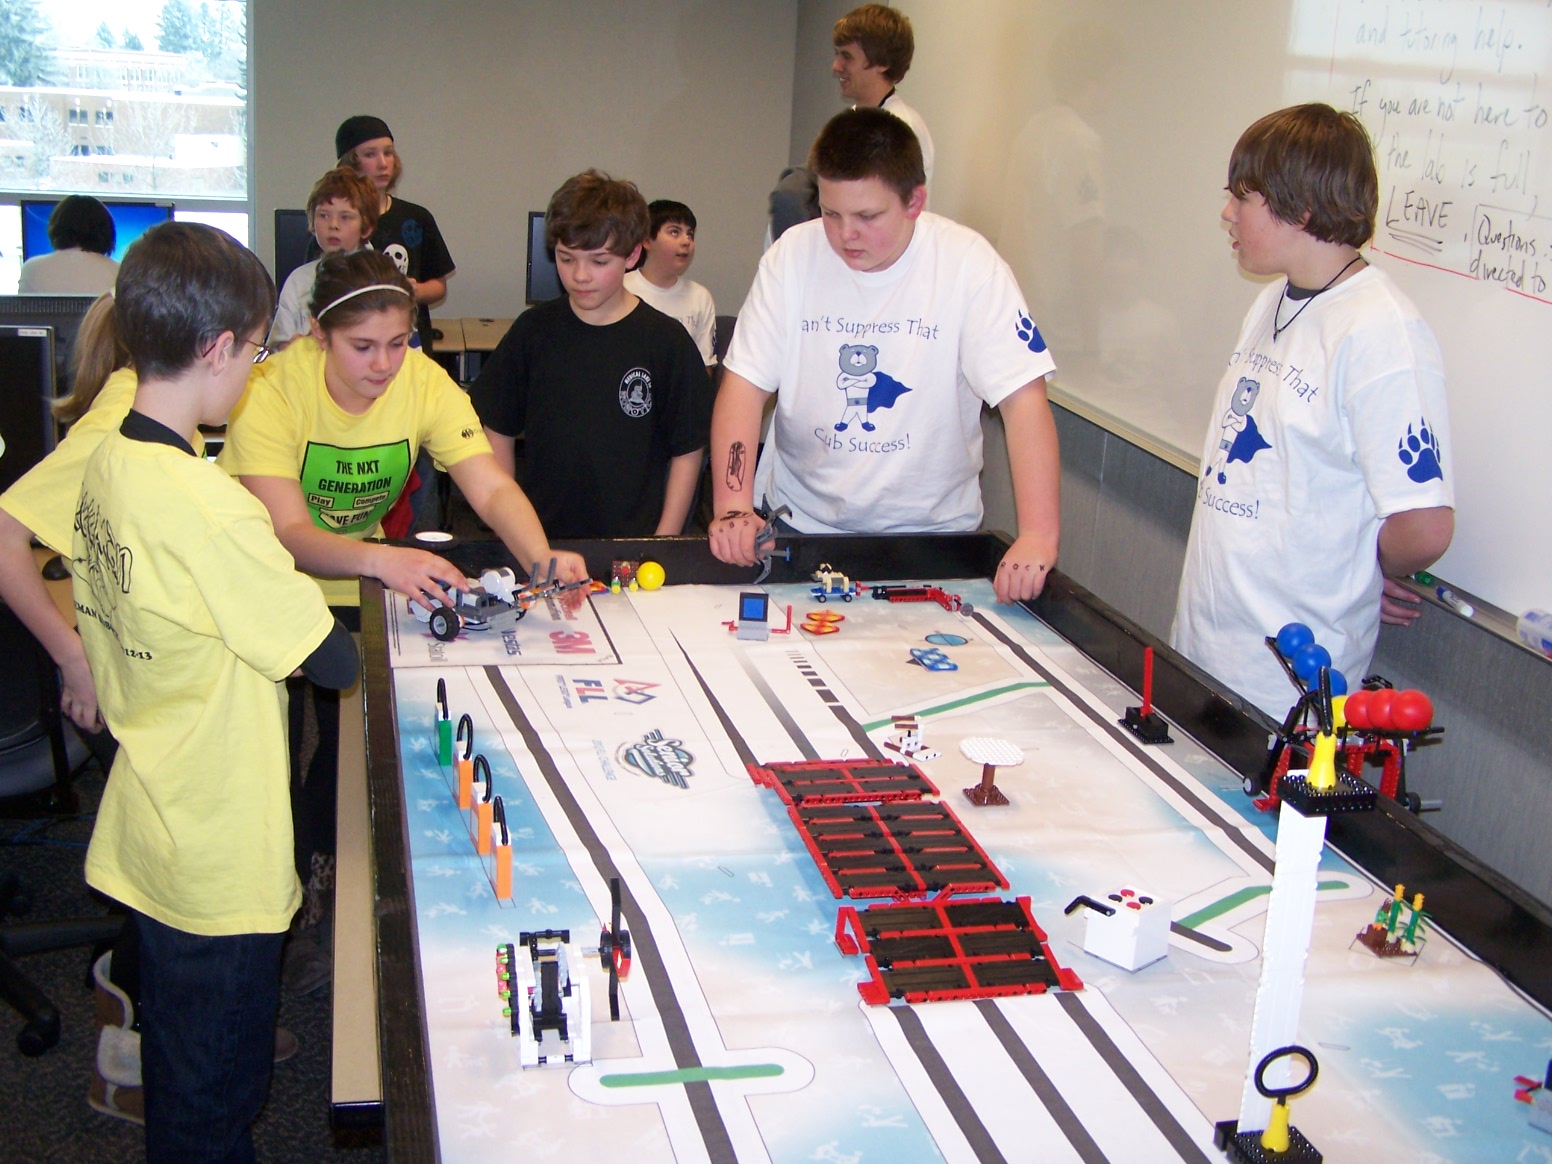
1349,795
938,950
1245,1147
894,850
810,782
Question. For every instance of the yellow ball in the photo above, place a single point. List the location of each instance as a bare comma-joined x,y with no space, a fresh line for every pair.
650,575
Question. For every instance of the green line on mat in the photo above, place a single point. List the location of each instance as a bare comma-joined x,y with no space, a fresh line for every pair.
956,703
692,1075
1238,898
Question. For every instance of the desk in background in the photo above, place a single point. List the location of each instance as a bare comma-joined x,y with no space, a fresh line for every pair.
464,343
447,346
480,337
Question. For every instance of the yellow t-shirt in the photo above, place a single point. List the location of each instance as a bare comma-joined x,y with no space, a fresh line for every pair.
44,498
191,613
352,468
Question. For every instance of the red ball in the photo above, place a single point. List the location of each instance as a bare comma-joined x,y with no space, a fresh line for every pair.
1411,711
1381,710
1356,710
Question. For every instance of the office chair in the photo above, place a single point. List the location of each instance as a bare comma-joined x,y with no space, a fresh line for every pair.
39,756
293,233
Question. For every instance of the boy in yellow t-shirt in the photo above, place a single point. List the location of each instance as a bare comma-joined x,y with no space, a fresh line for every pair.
191,613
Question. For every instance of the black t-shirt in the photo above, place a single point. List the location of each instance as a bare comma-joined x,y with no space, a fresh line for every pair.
602,411
408,235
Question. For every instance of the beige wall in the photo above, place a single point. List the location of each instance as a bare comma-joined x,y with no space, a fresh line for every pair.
494,103
816,95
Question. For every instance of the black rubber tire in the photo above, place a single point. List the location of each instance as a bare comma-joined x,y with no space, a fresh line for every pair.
444,624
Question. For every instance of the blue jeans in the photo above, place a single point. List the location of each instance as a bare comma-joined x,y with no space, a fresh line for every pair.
207,1040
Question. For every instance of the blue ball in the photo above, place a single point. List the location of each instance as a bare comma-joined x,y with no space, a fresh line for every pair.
1292,637
1309,659
1338,683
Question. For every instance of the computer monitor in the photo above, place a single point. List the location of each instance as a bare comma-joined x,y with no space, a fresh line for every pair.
26,389
543,279
754,606
293,236
62,313
130,221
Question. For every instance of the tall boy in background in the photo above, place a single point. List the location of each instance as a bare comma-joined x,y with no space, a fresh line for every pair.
662,281
882,329
610,394
874,45
1326,469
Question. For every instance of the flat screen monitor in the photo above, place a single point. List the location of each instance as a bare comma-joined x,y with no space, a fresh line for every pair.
62,313
26,389
293,237
543,279
754,606
130,221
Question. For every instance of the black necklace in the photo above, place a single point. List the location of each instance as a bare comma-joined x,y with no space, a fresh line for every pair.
1278,329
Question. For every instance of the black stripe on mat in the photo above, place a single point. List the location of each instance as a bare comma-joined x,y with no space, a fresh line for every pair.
1232,829
740,745
1040,1083
954,1098
832,701
719,1145
1121,1067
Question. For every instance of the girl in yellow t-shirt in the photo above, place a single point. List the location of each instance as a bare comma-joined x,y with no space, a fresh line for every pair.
325,437
329,429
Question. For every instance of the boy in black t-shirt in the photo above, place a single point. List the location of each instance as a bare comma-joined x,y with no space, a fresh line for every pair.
610,395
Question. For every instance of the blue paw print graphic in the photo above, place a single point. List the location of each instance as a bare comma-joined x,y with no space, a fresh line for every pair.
1419,451
1028,334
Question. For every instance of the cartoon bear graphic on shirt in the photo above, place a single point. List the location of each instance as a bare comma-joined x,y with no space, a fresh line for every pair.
865,387
1241,440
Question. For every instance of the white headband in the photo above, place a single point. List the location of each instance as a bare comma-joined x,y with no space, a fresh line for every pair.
363,291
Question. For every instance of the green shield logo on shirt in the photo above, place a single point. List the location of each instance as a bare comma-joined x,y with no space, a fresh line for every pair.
350,490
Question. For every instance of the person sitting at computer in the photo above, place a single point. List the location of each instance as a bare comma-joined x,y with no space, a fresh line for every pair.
81,231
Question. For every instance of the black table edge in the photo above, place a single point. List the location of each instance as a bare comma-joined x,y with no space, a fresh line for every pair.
1494,919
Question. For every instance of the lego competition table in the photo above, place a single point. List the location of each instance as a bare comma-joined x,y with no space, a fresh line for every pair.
789,1000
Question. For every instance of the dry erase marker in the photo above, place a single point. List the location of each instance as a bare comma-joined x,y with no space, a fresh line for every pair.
1454,601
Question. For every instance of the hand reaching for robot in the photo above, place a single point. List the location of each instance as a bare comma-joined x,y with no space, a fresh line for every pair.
416,574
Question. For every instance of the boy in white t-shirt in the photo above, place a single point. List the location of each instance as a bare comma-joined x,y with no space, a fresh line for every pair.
874,45
1326,471
883,329
661,280
342,212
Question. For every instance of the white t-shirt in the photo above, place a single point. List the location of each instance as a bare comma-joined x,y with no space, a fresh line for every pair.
1316,437
894,104
881,376
71,271
688,302
292,318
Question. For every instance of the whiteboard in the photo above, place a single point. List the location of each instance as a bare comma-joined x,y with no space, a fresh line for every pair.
1091,142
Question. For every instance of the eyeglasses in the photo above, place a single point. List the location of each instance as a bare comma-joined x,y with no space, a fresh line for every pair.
259,356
